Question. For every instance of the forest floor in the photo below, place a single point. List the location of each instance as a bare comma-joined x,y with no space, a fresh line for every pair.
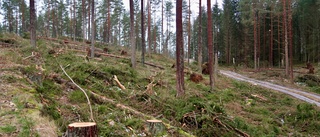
37,99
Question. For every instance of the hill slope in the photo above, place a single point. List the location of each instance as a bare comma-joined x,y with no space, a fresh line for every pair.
35,87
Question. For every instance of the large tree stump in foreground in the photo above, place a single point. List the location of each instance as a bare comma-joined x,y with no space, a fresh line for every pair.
156,128
82,129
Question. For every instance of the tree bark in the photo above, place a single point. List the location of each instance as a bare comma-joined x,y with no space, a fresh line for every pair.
271,39
92,29
142,34
210,46
290,40
286,37
179,50
200,39
149,28
109,23
23,19
89,19
83,129
132,34
162,39
75,20
32,23
189,34
255,37
83,21
279,42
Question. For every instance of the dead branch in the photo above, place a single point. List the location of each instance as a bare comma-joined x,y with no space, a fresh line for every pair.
118,82
220,123
235,129
91,114
145,116
242,133
149,87
32,55
260,97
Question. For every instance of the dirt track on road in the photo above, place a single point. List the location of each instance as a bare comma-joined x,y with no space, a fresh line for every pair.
299,94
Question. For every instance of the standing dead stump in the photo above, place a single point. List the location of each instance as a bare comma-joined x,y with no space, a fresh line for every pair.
82,129
155,127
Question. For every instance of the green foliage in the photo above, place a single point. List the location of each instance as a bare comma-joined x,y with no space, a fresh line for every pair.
77,96
8,129
49,88
9,78
306,111
134,123
26,130
26,35
51,110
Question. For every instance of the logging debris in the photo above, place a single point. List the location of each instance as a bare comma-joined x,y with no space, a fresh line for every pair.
118,82
194,77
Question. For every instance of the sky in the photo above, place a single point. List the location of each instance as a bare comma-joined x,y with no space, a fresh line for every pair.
194,5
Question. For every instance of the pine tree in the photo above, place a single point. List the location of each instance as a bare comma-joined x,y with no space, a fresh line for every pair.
210,46
32,23
179,50
132,34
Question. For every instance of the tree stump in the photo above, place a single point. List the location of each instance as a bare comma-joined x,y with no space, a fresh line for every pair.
155,127
82,129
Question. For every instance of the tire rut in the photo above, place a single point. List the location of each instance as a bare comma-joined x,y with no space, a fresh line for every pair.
299,94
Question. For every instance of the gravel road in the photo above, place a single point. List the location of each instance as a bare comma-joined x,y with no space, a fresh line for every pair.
299,94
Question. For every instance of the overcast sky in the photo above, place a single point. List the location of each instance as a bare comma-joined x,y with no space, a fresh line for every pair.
194,5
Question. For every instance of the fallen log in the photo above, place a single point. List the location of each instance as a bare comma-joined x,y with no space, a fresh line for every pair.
121,57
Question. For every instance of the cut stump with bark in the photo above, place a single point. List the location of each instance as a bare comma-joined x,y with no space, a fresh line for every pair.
83,129
156,127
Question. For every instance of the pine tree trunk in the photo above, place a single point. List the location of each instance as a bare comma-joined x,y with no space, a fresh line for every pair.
290,40
109,24
132,34
83,21
22,11
92,29
75,21
189,34
149,28
255,38
259,40
210,46
286,37
155,39
200,39
271,40
162,37
142,34
32,23
89,19
279,42
179,50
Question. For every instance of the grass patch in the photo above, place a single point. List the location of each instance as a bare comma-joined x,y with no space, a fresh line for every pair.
8,129
77,96
27,126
